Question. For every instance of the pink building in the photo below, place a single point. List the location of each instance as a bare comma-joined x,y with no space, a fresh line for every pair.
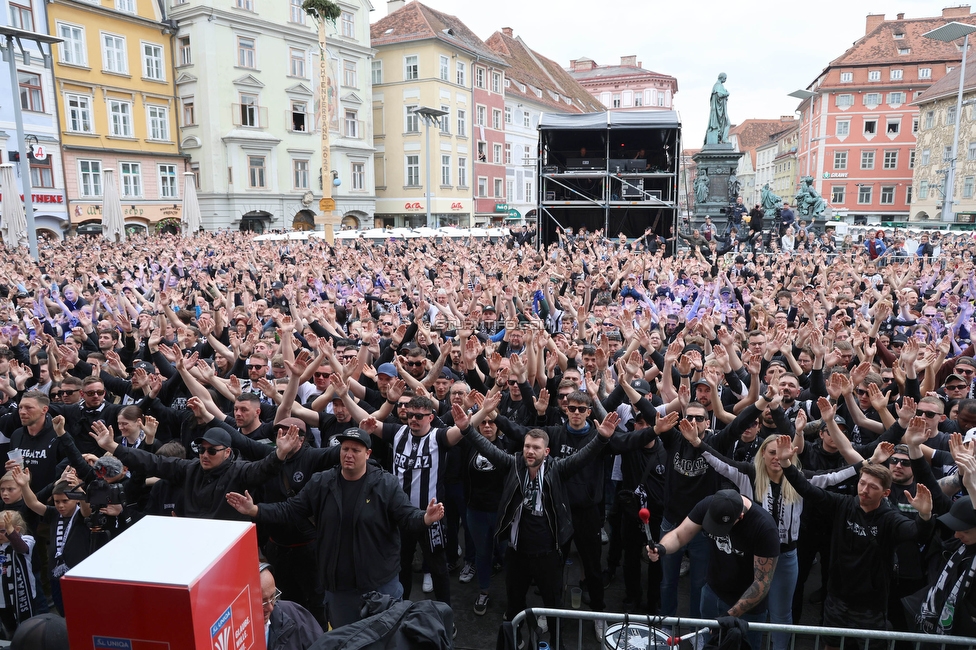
625,86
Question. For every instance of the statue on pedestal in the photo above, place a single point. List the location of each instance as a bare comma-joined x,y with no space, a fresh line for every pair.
809,202
701,186
718,116
770,202
734,187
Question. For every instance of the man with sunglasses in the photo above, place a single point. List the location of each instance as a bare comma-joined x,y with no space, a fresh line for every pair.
92,408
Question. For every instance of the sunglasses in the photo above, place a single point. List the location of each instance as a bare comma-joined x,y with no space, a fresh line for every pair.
252,366
927,414
417,416
321,375
512,382
861,392
55,395
66,391
963,372
94,393
414,364
695,418
210,451
956,387
577,409
564,397
904,462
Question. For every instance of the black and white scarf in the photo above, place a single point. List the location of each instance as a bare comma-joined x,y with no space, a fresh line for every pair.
938,610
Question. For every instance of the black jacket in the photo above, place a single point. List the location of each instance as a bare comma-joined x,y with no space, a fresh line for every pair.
382,512
554,500
292,627
204,491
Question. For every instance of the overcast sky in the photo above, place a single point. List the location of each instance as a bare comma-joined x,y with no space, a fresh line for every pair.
767,50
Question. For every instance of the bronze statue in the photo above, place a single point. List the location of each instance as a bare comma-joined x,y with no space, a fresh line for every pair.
734,187
770,202
809,202
701,186
718,117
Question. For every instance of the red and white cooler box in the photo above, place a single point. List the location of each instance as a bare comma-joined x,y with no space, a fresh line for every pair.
169,583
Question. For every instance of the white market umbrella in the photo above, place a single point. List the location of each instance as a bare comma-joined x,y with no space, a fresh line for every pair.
191,218
113,224
13,223
343,234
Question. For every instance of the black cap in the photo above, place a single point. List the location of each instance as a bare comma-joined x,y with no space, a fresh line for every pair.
215,436
724,510
277,285
356,434
841,422
739,259
961,515
641,386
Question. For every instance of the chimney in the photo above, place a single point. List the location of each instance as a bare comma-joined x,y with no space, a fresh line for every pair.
581,65
640,64
507,31
956,12
629,60
393,5
900,16
786,118
873,21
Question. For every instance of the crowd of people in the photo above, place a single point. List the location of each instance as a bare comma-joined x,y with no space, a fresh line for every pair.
496,404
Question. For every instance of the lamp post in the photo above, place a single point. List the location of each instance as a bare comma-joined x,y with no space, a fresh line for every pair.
947,34
429,116
11,35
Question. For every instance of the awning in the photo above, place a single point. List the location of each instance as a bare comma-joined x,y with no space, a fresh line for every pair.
610,120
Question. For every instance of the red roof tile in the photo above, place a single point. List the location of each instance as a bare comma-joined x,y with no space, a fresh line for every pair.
880,46
417,22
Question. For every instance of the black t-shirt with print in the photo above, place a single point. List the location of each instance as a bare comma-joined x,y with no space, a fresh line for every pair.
534,535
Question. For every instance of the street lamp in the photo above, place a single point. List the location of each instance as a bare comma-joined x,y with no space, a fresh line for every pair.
10,35
947,34
804,95
429,116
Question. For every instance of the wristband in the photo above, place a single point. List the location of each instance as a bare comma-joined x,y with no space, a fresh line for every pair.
389,401
661,551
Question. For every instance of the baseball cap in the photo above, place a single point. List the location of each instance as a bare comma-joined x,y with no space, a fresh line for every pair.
841,422
778,362
739,259
955,376
387,369
215,436
641,386
277,285
965,361
289,422
970,435
700,382
356,434
724,510
961,515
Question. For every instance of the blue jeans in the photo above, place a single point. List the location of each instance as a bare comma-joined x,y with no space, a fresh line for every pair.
482,527
671,566
781,596
712,607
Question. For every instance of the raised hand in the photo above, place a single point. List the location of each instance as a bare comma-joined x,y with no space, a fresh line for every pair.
242,503
915,433
882,452
667,422
785,450
878,399
922,501
58,423
907,409
689,432
827,410
609,424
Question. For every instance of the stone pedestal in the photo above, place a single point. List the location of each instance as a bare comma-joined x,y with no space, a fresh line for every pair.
719,161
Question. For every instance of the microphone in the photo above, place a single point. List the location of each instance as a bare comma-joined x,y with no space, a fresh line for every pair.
645,516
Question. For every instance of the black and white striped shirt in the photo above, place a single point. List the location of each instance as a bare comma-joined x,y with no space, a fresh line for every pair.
418,462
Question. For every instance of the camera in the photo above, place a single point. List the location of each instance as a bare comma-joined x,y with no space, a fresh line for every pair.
100,494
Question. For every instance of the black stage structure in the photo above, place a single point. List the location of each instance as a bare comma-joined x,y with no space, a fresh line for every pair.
615,171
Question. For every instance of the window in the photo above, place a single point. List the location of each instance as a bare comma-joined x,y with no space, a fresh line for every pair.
479,77
189,113
249,110
508,153
971,151
510,191
245,4
616,100
926,156
300,174
73,48
413,171
30,92
296,62
890,160
359,176
911,159
508,115
951,115
896,74
915,125
90,174
445,170
299,117
845,101
297,14
42,172
874,75
496,119
128,6
870,127
186,55
872,99
79,116
376,72
352,124
528,190
445,68
482,187
929,119
461,79
158,122
411,68
893,126
846,77
967,187
152,61
638,99
837,194
947,154
840,160
864,194
843,127
896,98
113,54
887,194
255,172
908,194
496,82
924,73
120,118
413,120
498,188
21,15
481,116
445,120
348,22
130,175
898,36
867,160
660,99
923,190
167,181
526,120
462,172
246,56
497,154
462,122
350,77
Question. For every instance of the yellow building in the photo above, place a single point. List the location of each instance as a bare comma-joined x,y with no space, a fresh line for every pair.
116,102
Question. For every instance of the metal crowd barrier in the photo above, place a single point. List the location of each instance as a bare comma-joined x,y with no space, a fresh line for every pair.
632,631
